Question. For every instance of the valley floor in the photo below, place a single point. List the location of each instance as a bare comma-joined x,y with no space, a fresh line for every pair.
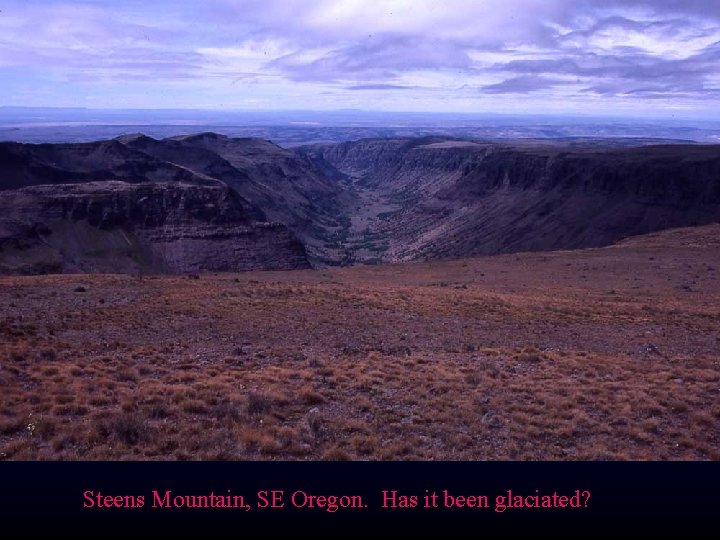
609,353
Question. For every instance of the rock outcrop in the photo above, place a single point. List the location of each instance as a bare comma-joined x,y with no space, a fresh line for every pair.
115,226
211,202
285,185
454,198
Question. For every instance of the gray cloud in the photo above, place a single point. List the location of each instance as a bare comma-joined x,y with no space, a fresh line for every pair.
670,26
375,58
523,84
633,73
567,49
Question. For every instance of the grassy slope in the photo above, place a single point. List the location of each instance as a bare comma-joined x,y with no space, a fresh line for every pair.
609,353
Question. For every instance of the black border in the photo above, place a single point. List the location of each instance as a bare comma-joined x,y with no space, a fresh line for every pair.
644,496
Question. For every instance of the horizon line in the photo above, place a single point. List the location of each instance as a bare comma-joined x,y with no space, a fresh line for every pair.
674,116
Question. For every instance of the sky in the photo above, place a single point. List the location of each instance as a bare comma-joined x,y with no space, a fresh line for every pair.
610,57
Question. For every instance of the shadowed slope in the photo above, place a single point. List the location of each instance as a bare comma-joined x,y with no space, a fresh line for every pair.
439,198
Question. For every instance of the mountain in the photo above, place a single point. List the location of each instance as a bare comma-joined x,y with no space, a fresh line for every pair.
438,198
211,202
24,165
285,185
106,207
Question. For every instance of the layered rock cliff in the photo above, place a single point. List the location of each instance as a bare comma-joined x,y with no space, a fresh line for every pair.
115,226
285,185
452,198
287,207
210,202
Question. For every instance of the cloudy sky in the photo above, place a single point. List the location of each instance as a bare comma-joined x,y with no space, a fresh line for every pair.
652,57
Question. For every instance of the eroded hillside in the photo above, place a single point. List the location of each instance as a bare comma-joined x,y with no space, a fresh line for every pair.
366,201
422,199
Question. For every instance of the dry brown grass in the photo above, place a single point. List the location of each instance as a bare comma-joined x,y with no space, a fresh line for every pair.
511,357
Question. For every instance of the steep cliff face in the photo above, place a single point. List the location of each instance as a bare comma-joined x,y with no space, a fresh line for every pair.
209,202
152,227
454,198
285,185
273,185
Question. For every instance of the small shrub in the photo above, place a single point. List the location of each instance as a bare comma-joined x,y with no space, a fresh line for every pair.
194,406
48,354
8,427
227,409
158,411
70,410
128,428
126,375
311,398
530,357
364,444
45,428
258,403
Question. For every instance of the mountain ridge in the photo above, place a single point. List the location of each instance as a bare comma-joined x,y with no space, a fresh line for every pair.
455,198
364,201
